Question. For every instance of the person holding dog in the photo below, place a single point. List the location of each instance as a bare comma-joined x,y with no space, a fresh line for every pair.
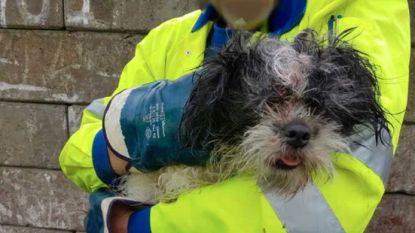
178,46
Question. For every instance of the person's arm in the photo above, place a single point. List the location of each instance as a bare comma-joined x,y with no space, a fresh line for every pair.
382,32
118,165
160,55
84,158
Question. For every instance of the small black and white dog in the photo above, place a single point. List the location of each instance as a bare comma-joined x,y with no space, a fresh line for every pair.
273,109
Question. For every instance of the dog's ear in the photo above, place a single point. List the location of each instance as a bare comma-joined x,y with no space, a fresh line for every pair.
344,84
210,103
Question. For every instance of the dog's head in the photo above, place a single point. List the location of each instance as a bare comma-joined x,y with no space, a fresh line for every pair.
284,106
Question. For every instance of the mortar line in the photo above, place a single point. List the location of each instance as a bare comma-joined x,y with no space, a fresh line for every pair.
67,121
400,192
40,228
46,102
63,15
25,167
72,29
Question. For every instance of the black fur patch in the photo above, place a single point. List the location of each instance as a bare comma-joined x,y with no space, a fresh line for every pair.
234,88
342,84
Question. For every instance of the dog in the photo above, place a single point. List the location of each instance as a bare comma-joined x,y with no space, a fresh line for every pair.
272,109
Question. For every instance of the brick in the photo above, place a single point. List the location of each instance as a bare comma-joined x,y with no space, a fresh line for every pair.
410,112
403,168
60,66
17,229
46,14
74,117
32,134
395,214
137,15
40,198
411,11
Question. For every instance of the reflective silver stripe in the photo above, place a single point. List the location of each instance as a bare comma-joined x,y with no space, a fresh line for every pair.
376,156
97,108
307,211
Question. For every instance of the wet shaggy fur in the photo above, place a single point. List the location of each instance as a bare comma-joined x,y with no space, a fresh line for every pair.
247,99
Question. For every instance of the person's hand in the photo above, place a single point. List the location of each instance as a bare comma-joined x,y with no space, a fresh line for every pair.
96,219
119,216
105,206
141,125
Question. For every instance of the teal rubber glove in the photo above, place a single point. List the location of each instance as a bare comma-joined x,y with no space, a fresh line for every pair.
141,125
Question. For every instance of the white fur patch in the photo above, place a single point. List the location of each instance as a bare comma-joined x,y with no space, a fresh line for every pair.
287,64
165,184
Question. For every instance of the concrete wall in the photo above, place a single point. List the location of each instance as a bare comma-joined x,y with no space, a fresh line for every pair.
58,55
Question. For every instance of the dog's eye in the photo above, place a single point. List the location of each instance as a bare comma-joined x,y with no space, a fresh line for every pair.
315,106
282,91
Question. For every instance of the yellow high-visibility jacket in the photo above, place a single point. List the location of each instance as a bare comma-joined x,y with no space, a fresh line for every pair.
344,204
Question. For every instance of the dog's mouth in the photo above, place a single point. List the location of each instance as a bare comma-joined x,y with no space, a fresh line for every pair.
288,162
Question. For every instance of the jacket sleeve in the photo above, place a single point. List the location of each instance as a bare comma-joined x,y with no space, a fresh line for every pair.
86,147
382,32
83,159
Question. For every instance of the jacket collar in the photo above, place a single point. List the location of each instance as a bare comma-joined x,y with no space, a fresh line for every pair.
283,18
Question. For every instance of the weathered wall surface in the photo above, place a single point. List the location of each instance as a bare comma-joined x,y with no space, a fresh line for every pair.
58,55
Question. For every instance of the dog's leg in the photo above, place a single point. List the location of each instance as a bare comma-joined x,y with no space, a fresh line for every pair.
166,184
176,180
141,187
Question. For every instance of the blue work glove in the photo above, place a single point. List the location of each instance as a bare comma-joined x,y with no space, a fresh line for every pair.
102,205
141,125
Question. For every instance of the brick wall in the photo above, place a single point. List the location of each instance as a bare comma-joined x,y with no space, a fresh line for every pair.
58,55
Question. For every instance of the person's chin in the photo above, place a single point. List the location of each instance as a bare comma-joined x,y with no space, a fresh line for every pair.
241,24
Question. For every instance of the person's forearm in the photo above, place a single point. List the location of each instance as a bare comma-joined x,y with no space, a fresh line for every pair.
117,164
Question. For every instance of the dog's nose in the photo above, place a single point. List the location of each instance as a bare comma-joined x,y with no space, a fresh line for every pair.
297,134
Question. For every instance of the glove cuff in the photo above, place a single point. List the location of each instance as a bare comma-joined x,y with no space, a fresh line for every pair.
111,123
140,221
100,159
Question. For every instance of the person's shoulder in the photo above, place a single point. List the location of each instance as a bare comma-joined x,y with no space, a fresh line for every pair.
183,23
